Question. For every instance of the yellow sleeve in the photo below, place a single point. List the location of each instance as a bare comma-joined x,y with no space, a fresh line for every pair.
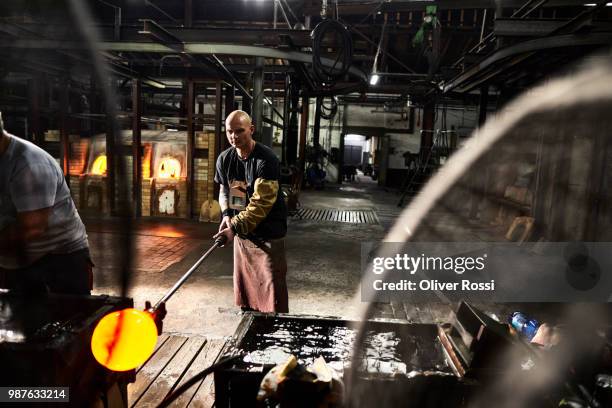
259,206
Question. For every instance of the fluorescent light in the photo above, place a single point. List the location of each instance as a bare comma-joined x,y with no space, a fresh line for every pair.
594,4
374,78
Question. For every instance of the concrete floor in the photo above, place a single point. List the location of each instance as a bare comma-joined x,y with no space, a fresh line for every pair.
323,261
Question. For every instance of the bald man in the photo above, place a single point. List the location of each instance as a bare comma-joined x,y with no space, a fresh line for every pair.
254,217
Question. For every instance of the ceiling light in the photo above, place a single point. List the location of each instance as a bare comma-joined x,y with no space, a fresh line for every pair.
374,78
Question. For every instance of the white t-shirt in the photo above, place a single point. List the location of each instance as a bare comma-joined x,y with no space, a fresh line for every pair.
30,179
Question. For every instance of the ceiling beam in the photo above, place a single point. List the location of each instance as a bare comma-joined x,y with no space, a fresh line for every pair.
466,80
190,48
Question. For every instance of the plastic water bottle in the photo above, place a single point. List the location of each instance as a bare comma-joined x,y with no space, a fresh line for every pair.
525,326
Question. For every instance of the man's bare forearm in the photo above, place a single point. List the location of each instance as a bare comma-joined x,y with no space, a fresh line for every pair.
30,225
223,198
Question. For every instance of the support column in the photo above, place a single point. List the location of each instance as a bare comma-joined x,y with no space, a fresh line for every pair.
190,105
342,135
64,142
94,106
258,98
482,108
478,178
111,162
292,136
286,105
303,130
317,122
429,115
188,20
34,89
218,134
230,106
136,147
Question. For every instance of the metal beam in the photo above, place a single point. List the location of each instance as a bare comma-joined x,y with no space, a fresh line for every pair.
258,98
190,146
218,133
136,147
64,142
535,45
303,131
188,20
511,27
34,102
317,121
161,35
230,98
363,8
190,48
286,104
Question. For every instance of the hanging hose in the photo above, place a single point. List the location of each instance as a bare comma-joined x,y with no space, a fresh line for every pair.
328,75
328,112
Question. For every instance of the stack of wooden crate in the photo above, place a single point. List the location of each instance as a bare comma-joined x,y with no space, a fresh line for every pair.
204,167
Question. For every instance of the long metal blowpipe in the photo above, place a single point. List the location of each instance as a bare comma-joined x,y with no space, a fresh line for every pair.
219,242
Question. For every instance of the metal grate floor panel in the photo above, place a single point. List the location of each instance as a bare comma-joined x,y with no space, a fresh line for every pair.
331,215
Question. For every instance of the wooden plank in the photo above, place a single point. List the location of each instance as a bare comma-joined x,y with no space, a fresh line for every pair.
172,373
204,359
161,339
153,367
205,395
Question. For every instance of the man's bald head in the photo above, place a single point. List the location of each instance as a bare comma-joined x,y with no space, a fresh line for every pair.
239,129
239,115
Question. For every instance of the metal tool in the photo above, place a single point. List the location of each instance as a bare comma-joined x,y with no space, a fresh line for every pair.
219,242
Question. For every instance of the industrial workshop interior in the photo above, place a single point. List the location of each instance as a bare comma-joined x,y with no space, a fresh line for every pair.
318,203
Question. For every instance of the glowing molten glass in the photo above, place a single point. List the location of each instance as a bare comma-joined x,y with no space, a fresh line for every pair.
99,165
169,168
124,340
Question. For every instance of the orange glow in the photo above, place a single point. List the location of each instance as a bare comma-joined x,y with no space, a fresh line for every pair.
146,161
169,168
167,231
124,340
99,165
